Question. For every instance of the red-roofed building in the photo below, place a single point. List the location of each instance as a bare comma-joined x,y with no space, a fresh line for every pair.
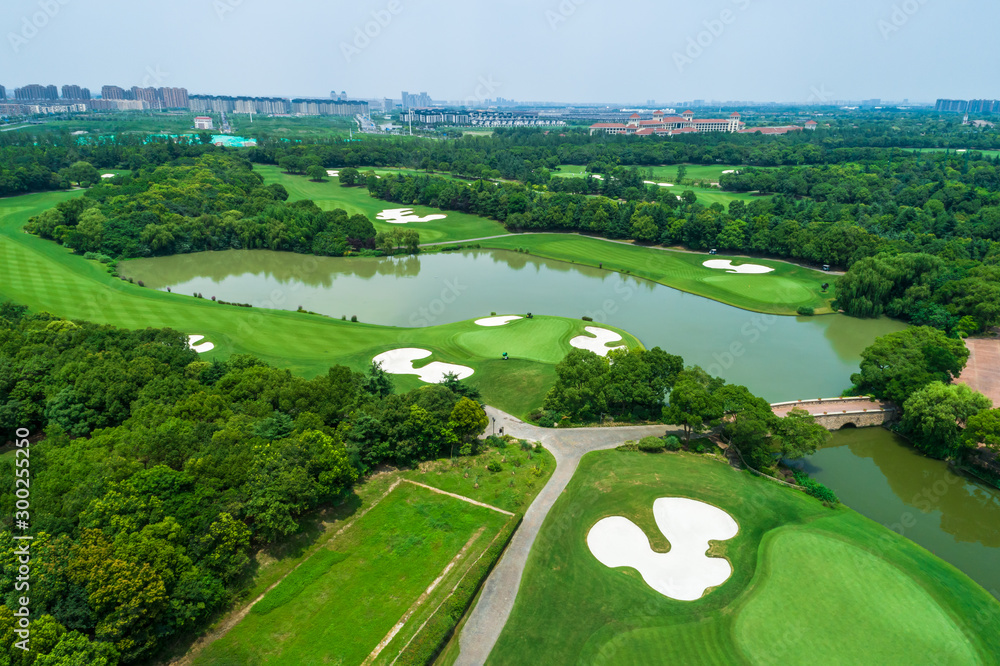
662,124
811,125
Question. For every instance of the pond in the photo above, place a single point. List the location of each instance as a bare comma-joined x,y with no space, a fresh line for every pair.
779,358
876,472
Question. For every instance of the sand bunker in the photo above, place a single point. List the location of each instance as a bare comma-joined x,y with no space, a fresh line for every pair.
727,265
730,171
107,175
596,344
400,362
405,216
333,173
649,182
686,571
498,321
200,348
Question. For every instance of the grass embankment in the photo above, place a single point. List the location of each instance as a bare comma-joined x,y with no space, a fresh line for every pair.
48,277
809,585
782,292
329,194
353,585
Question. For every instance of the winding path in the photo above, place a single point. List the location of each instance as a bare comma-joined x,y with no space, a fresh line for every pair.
568,446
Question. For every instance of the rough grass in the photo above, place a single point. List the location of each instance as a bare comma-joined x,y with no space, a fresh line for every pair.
329,194
390,556
782,292
48,277
572,609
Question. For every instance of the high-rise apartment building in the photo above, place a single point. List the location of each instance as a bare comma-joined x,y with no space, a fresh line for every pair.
174,98
113,92
75,92
34,91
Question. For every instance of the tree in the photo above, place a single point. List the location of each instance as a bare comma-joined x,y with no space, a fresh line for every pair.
798,435
316,173
935,415
983,428
467,420
692,404
349,177
898,364
83,172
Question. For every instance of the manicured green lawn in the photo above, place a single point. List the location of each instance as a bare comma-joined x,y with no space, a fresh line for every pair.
809,584
48,277
340,603
668,174
780,292
329,194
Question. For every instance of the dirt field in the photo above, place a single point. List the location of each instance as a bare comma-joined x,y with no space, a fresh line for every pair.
982,372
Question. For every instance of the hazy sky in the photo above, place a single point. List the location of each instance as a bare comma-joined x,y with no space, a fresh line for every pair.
568,50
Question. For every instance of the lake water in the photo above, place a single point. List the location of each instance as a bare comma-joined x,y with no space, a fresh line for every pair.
779,358
876,472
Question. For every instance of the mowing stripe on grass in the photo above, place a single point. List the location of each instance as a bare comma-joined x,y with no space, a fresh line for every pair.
423,597
464,499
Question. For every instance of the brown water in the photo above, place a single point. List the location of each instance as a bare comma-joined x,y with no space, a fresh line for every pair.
876,472
779,358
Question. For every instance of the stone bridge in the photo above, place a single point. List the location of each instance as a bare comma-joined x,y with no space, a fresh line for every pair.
837,413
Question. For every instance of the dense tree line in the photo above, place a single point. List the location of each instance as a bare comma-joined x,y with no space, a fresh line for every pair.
655,386
160,474
215,202
915,369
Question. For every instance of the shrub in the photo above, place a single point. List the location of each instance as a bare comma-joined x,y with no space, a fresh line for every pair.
143,284
815,488
493,314
651,444
806,312
629,445
354,318
494,465
702,445
672,443
586,318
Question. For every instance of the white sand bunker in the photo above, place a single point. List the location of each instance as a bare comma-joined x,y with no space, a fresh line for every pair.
686,571
107,175
730,171
200,348
498,321
649,182
333,173
596,344
727,265
405,216
400,362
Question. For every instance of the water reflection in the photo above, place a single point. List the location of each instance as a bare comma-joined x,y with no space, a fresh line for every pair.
877,473
780,358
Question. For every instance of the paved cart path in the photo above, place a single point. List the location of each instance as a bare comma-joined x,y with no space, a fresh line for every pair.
568,446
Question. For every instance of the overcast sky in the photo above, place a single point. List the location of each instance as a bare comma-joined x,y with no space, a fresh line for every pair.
558,50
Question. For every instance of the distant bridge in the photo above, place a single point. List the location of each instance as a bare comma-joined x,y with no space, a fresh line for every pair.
837,413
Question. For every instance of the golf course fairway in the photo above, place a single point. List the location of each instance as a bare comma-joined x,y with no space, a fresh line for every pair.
48,277
810,584
783,291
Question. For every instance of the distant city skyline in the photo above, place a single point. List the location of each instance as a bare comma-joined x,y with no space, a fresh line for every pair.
569,51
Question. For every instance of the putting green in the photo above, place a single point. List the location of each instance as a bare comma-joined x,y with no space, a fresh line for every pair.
782,291
834,605
809,584
329,194
48,277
